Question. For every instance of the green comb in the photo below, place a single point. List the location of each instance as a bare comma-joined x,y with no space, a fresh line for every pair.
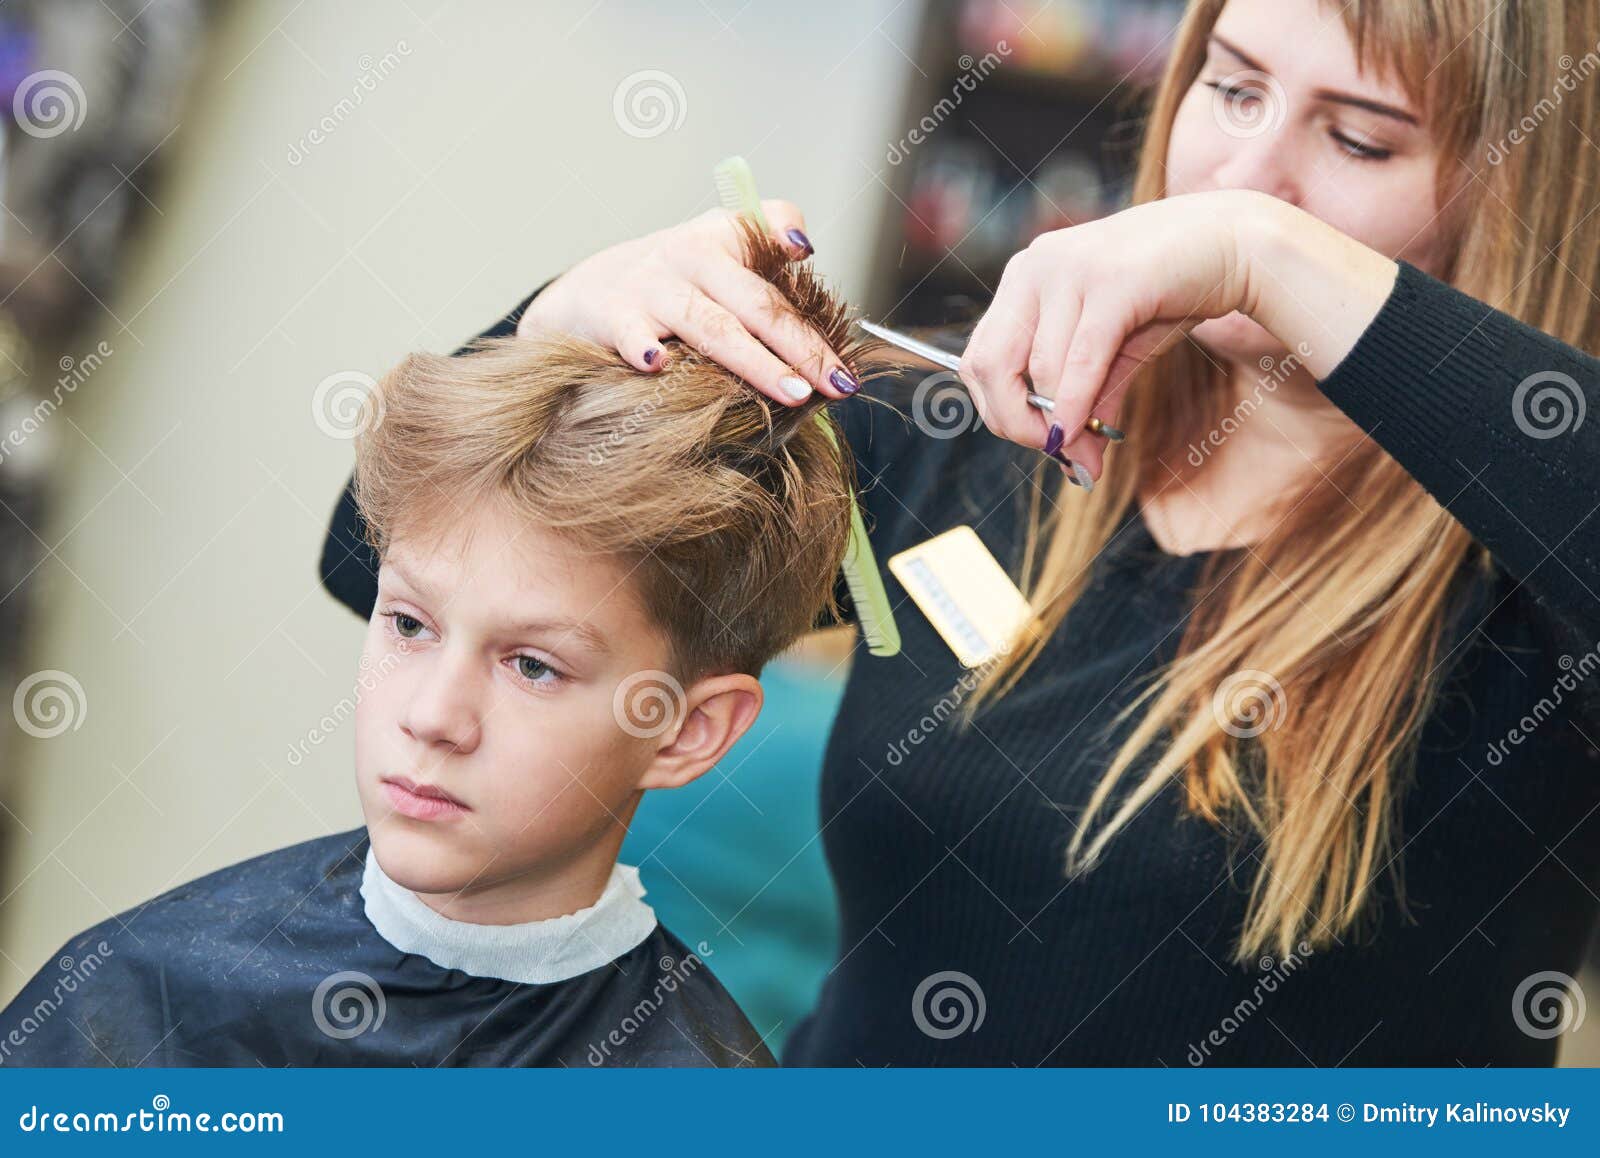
736,187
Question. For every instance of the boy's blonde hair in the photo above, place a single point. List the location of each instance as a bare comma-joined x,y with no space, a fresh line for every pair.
730,512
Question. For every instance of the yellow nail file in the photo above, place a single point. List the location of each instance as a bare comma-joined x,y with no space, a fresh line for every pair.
964,592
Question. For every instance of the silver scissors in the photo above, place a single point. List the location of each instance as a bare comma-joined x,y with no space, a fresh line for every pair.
952,362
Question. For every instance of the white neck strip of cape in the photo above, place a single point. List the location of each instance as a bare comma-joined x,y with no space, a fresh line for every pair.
534,953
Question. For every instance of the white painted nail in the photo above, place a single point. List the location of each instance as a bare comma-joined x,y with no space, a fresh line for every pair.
796,388
1081,473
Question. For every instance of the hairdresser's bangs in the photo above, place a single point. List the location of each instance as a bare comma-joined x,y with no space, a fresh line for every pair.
1427,49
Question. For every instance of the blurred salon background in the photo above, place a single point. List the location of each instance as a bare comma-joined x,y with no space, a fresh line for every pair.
220,220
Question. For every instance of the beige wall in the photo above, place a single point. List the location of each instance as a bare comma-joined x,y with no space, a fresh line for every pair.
182,595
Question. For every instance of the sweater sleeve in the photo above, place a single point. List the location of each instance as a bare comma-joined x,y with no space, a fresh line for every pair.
349,565
1489,416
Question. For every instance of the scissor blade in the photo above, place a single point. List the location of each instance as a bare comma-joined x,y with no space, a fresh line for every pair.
937,356
914,345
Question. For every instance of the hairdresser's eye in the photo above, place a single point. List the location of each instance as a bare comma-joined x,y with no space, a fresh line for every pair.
1359,149
1236,93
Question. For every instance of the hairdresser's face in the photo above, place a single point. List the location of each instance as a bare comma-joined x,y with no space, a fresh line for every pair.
1280,107
491,664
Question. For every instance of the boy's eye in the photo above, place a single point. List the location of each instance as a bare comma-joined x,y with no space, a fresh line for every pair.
408,626
532,668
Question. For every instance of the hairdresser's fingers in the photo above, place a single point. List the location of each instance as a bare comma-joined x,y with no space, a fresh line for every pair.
996,356
1058,314
1144,343
786,223
769,316
1097,339
722,337
637,337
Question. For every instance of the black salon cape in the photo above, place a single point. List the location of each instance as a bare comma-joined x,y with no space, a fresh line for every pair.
273,962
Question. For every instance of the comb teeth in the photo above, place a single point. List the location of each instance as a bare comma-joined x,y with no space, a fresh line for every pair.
736,188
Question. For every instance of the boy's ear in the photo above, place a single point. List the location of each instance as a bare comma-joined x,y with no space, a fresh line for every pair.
719,710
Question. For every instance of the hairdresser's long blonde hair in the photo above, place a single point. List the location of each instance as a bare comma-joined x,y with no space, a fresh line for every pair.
1343,602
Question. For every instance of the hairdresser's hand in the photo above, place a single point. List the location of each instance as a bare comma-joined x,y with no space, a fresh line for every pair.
691,281
1081,309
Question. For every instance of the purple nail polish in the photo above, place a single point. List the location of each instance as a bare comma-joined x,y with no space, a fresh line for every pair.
651,355
1066,468
1054,439
844,381
800,239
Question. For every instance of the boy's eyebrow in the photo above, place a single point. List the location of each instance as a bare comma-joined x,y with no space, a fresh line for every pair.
1332,96
580,628
585,633
404,576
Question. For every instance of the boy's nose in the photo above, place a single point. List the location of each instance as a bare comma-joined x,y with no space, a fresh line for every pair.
443,709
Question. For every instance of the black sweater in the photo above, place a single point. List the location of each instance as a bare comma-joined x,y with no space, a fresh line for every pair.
948,857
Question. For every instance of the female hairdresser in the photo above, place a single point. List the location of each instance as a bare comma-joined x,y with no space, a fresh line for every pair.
1301,768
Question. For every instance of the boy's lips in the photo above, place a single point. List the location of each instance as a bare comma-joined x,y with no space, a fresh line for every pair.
421,801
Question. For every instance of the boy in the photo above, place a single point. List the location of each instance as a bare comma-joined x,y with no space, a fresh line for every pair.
582,570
